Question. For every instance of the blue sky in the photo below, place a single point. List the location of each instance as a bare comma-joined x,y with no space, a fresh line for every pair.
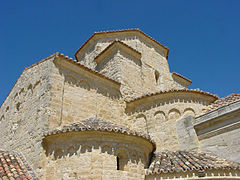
203,36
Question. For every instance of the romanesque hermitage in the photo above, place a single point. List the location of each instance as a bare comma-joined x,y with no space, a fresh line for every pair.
116,111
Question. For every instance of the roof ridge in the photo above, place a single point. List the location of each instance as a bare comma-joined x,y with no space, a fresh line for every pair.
124,30
116,30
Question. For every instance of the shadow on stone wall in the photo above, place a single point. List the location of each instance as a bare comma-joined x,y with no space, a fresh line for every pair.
123,154
76,80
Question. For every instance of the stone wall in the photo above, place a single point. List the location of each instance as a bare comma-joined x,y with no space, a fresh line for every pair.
219,131
24,114
83,155
157,115
153,73
79,95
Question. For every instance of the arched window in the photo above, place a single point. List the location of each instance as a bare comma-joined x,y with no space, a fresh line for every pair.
122,160
156,73
118,168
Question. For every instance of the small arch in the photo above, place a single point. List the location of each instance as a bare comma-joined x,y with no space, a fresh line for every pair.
134,157
122,159
189,111
70,80
18,106
30,89
58,153
7,108
174,114
158,119
84,84
71,150
102,91
86,148
141,122
159,116
115,93
107,149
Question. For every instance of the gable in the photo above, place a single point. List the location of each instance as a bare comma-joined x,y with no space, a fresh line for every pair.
117,46
134,36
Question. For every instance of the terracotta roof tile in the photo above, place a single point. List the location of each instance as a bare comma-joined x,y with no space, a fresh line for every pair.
223,102
118,31
13,166
95,124
173,91
176,161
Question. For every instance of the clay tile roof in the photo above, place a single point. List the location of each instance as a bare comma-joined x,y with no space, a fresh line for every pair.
223,102
118,31
176,161
13,166
173,91
95,124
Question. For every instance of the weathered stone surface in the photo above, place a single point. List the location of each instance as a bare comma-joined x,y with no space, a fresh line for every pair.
128,84
219,131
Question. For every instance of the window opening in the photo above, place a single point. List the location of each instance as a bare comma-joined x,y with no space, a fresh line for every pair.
118,163
156,76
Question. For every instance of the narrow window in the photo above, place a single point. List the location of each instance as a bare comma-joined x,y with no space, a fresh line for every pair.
118,163
156,76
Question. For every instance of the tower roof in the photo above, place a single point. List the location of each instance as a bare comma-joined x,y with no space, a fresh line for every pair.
120,45
137,32
177,161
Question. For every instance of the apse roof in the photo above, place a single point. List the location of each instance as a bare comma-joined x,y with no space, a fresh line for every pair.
182,161
14,166
96,124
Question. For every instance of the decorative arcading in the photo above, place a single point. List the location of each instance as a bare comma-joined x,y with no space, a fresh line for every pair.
95,124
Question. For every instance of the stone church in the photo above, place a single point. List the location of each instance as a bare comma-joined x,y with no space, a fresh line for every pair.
116,111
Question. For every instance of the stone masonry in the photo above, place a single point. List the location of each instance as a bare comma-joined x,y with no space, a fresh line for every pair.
109,113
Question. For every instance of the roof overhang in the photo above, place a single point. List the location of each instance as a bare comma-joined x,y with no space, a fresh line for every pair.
181,78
